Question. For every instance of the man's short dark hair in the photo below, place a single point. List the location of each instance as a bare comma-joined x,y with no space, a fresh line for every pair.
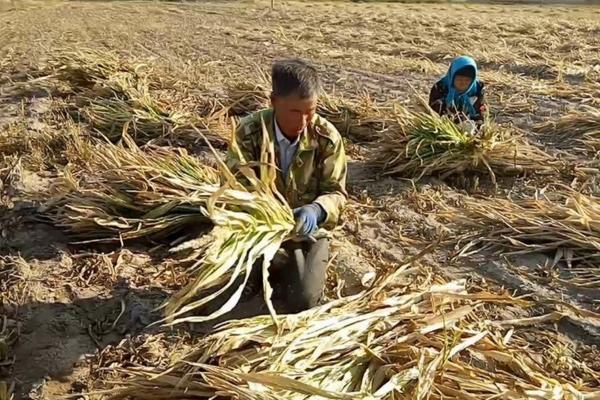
295,76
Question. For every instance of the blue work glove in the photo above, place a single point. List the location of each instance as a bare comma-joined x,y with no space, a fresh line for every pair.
308,218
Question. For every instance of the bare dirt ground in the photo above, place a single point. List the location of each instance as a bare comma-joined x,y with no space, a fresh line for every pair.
80,307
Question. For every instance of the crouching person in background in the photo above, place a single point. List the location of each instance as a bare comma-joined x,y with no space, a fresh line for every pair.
311,176
460,94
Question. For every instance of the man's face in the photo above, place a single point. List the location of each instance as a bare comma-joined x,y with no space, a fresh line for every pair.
293,113
462,83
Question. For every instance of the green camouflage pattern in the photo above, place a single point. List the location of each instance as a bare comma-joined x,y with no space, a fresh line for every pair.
318,172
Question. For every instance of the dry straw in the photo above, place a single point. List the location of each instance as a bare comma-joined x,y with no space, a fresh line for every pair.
580,126
121,192
111,94
429,341
428,144
362,119
251,222
565,224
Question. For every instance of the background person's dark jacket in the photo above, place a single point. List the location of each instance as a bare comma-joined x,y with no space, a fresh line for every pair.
438,94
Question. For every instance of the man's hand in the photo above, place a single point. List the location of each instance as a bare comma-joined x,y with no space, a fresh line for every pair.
308,218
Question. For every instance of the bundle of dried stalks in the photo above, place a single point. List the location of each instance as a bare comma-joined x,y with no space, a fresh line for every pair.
362,120
580,126
567,224
429,144
251,222
119,192
385,343
84,68
245,98
114,96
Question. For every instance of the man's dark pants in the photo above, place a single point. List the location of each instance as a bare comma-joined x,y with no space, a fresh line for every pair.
299,276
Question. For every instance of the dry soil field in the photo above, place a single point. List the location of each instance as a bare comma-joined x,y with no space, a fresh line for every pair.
512,221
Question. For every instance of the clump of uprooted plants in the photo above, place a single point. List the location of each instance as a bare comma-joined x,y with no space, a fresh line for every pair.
114,95
361,119
564,223
118,192
404,338
577,130
425,144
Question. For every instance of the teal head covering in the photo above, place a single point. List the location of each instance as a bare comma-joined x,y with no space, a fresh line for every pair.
454,98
